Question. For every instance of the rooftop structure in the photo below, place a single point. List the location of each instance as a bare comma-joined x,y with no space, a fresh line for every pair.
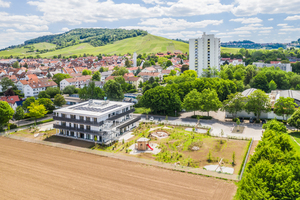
96,120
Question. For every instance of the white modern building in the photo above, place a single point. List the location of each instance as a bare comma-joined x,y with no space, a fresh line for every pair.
204,52
96,120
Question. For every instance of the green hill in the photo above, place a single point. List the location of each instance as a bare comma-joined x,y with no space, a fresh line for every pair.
140,44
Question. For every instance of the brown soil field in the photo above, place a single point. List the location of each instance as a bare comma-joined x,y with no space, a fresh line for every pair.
34,171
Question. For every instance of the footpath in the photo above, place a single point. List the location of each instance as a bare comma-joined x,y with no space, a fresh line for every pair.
131,159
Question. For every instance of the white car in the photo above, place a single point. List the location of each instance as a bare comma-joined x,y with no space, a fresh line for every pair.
151,119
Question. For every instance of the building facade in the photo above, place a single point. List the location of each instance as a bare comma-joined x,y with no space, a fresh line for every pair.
204,52
283,66
95,121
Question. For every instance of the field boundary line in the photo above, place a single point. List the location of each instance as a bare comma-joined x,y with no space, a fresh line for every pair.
168,166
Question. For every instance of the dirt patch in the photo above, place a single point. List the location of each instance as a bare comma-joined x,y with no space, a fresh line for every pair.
33,171
70,141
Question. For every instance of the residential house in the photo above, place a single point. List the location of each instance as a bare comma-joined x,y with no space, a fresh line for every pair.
11,100
146,75
135,81
78,82
33,87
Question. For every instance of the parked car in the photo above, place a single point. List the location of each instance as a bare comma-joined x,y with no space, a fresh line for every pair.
151,118
263,121
159,119
241,119
252,120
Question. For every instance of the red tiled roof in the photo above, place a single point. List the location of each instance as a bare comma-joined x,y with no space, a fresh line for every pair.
10,99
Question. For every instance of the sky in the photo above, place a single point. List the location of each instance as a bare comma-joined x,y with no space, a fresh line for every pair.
262,21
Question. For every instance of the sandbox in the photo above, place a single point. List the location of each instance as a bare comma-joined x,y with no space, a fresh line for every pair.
160,134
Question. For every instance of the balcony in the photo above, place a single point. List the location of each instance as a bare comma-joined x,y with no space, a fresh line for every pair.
121,114
65,119
128,122
77,129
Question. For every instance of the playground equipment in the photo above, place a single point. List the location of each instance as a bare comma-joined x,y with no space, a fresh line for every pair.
149,147
221,163
142,144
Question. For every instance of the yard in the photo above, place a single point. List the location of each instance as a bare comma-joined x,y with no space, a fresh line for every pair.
34,133
186,148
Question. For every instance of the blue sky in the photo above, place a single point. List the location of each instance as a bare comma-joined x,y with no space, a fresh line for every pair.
257,20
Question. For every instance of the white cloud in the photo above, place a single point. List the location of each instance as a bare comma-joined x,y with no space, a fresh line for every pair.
281,24
65,29
177,24
253,27
290,18
247,20
77,12
4,4
265,31
21,22
214,31
282,33
254,7
153,2
12,37
271,19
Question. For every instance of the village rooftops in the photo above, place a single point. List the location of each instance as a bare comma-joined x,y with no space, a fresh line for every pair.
95,108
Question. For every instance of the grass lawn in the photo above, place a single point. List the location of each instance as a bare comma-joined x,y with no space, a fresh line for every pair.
229,50
178,147
29,133
142,110
296,136
141,44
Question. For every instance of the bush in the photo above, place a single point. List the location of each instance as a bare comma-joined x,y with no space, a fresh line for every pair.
13,126
201,117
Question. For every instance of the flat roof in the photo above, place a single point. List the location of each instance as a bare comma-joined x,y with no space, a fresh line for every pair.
94,108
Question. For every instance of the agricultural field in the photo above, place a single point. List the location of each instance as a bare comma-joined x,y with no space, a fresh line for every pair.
35,171
186,147
141,44
229,50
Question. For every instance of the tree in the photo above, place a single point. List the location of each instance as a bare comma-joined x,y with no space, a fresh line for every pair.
275,125
70,89
184,68
120,71
272,85
161,100
169,63
47,103
6,113
59,100
57,78
192,101
43,94
113,90
284,107
86,72
234,103
52,91
257,103
16,65
27,102
9,92
260,82
294,120
96,76
210,101
6,83
36,110
91,92
19,114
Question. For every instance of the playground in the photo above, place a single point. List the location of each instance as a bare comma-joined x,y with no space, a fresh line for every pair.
183,146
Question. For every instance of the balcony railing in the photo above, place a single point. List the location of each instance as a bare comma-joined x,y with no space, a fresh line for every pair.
77,129
121,114
65,119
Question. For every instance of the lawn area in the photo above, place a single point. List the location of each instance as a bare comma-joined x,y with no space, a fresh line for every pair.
186,147
29,133
295,136
141,44
142,110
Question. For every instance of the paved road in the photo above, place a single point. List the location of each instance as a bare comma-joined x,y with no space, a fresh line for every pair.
24,122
